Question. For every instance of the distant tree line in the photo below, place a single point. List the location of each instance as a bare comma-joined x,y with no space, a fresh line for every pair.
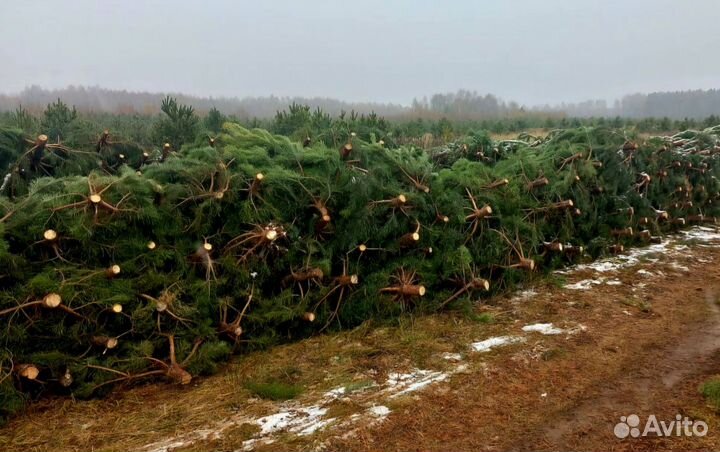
695,104
178,123
97,100
462,105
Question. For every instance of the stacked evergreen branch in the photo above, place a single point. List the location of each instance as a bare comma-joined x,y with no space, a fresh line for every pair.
162,265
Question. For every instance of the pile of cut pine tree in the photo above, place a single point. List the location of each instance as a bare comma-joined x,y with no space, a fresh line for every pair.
119,264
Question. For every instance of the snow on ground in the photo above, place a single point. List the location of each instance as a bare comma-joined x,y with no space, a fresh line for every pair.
677,266
550,329
335,393
451,356
702,234
400,384
523,295
302,420
543,328
585,284
493,342
379,411
672,245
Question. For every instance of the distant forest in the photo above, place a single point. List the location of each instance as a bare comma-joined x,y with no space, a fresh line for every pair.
461,105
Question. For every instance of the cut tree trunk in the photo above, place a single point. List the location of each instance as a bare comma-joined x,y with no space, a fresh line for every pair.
112,271
497,184
308,316
538,183
567,204
524,264
625,232
232,330
66,379
571,250
28,371
555,247
347,280
480,213
104,341
405,290
409,239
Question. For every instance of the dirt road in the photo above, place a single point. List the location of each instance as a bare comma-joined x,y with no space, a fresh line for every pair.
553,367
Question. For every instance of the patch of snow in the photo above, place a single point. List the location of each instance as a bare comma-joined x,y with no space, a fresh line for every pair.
644,272
335,393
614,282
543,328
400,384
702,234
629,259
603,266
304,419
523,295
633,256
452,356
379,411
315,426
677,266
249,444
585,284
499,341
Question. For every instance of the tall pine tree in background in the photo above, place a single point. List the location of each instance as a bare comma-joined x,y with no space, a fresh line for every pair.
178,125
57,120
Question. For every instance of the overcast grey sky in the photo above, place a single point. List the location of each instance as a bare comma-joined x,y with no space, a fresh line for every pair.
531,51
